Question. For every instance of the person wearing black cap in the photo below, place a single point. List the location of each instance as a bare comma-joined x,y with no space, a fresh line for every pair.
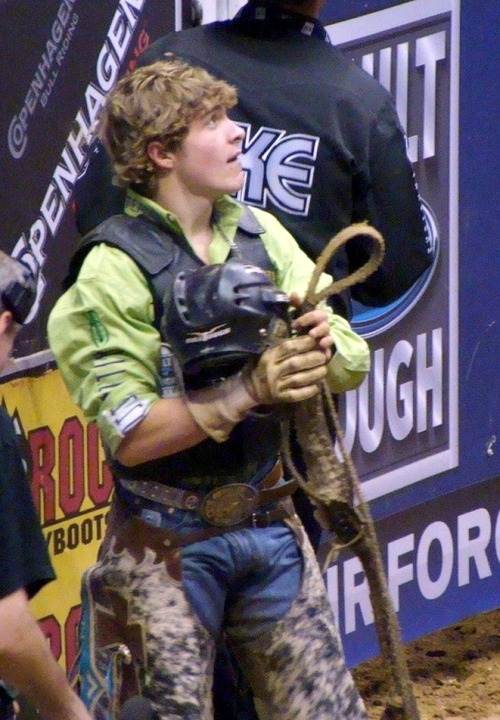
26,661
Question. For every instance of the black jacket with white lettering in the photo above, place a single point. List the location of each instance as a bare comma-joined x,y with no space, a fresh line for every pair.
324,146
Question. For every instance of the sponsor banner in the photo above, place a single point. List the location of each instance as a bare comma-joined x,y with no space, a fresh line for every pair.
402,423
442,563
59,60
71,486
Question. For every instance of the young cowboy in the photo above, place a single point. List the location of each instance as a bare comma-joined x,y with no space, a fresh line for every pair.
182,561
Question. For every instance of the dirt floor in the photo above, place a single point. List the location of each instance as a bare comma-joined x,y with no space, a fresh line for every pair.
455,673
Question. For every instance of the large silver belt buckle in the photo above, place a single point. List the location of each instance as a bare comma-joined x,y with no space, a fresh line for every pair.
229,505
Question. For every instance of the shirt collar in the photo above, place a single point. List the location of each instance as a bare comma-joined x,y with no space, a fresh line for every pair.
136,204
257,11
228,213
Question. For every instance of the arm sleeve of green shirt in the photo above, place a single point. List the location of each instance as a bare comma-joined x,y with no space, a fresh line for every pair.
351,361
106,347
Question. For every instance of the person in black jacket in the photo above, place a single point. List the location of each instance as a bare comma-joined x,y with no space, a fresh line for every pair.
323,144
26,661
323,148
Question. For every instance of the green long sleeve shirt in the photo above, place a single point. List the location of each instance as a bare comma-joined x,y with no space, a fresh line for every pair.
110,354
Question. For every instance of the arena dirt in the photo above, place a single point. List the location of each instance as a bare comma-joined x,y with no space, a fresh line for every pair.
455,672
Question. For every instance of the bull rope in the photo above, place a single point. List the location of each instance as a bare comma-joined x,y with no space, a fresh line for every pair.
334,487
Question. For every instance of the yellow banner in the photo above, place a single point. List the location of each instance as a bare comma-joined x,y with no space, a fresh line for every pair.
71,487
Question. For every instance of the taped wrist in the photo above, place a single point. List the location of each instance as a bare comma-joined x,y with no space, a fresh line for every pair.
219,408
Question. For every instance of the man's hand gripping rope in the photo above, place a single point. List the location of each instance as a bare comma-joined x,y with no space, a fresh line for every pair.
288,372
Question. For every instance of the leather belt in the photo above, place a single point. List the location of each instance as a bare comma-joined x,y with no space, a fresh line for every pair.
225,505
255,520
135,534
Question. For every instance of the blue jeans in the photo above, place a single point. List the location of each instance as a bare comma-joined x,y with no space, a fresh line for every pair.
165,608
244,580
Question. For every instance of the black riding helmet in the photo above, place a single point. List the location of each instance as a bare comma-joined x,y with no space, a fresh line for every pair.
218,316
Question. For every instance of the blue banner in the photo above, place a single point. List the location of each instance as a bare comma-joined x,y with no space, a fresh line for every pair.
423,428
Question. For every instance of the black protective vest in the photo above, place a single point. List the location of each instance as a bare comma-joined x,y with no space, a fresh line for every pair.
161,255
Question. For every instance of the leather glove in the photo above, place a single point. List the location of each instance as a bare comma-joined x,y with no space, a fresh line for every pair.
218,408
289,372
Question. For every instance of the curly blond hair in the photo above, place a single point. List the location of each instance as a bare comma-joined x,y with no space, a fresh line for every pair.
157,102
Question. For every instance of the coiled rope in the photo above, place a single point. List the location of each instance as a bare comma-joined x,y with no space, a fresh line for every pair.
334,486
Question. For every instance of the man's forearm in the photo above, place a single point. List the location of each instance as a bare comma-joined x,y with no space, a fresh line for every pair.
26,662
168,428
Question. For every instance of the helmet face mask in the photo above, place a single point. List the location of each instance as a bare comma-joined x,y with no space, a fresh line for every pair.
219,316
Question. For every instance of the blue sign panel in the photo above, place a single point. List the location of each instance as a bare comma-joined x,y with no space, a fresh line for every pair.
423,427
402,423
443,563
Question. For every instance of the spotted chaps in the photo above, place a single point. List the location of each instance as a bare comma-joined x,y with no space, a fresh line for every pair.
139,634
